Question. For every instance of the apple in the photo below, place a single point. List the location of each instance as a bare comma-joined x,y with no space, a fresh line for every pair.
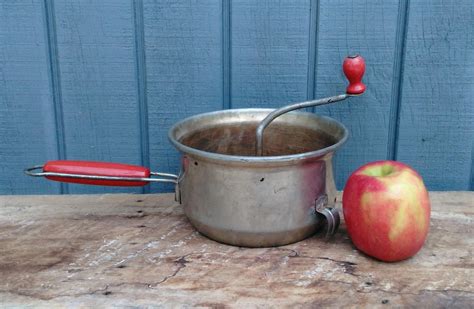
387,210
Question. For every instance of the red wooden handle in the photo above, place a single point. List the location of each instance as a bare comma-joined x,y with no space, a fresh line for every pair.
354,68
97,169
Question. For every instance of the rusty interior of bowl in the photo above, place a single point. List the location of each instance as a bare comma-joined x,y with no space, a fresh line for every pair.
238,139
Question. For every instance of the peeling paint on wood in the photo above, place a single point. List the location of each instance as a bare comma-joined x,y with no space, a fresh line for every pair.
140,250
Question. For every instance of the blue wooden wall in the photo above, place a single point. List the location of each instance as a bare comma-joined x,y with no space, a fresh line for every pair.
104,80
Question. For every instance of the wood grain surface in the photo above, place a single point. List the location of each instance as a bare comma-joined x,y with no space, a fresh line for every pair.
105,80
96,59
269,52
27,115
343,29
140,251
436,121
184,70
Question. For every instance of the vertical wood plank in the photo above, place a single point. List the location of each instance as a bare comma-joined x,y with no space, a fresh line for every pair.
50,24
436,133
226,54
141,84
368,29
27,124
312,50
96,49
397,80
472,168
269,52
183,41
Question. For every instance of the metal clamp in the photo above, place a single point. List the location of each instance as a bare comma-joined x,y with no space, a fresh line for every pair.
172,178
177,187
331,214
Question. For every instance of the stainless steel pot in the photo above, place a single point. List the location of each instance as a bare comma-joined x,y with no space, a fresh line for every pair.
256,201
249,177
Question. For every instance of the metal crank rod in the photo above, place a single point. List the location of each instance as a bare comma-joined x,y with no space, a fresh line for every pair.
353,67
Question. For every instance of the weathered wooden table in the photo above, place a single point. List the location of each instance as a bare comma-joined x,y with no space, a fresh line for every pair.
139,250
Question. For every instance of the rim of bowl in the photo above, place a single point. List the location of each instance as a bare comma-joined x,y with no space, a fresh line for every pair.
255,159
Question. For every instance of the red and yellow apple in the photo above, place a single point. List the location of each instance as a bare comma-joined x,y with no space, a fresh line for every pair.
387,210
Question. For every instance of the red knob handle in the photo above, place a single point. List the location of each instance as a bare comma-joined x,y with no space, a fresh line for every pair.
354,68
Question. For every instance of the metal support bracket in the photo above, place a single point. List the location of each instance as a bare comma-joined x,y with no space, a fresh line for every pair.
331,214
